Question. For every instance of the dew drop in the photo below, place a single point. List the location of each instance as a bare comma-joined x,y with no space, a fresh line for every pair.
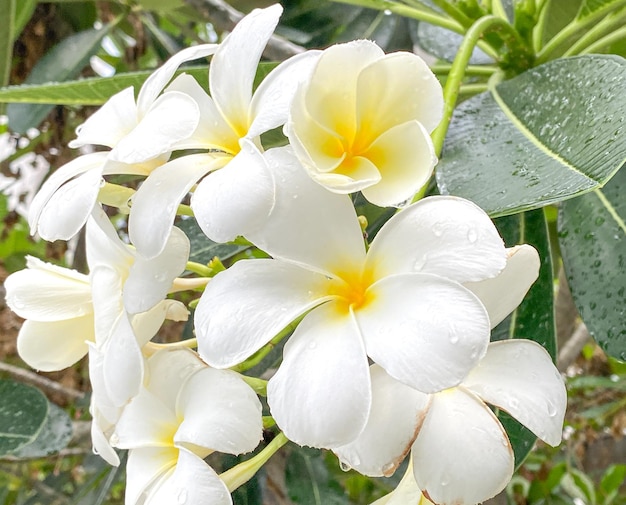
344,466
115,439
313,344
388,469
472,235
454,338
182,497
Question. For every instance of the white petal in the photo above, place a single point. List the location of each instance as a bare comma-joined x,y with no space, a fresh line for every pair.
417,94
145,422
519,377
193,481
351,175
234,65
154,84
236,199
271,100
53,346
46,292
447,236
104,247
424,330
395,417
68,209
462,454
407,492
245,306
110,123
104,411
155,203
147,324
123,363
100,441
147,467
321,394
89,162
158,131
220,412
107,301
212,132
149,281
331,92
405,157
502,294
308,224
168,370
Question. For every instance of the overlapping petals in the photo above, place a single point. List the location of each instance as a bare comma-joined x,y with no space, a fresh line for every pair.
56,303
406,309
461,453
236,199
185,412
351,133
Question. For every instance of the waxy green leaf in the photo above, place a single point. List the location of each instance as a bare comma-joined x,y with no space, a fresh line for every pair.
592,7
534,318
54,435
549,134
592,235
23,412
64,61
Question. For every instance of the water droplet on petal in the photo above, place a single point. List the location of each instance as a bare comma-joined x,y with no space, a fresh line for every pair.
472,235
313,344
182,497
388,469
344,466
115,439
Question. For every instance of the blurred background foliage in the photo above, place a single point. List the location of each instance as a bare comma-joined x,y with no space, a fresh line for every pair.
67,39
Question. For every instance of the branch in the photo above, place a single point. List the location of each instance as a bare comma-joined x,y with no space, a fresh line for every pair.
224,18
34,379
571,350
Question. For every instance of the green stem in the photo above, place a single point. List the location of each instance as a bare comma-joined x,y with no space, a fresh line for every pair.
243,472
457,73
597,32
410,12
572,29
454,13
473,70
473,89
539,28
498,10
200,269
616,36
259,385
258,356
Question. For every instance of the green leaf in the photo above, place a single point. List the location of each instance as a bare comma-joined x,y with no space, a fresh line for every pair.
611,481
578,485
23,412
558,14
591,7
7,36
203,249
533,319
308,480
23,13
64,61
551,133
54,435
97,90
592,235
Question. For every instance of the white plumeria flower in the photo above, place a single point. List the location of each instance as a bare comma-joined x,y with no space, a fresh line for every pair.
185,412
460,452
125,285
403,303
362,122
407,492
236,198
141,136
56,303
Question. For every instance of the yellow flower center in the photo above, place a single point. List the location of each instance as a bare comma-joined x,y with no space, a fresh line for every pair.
351,290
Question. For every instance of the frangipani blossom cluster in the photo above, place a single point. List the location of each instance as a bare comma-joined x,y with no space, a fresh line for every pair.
387,349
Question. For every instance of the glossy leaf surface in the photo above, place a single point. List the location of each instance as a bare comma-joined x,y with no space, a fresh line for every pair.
552,133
